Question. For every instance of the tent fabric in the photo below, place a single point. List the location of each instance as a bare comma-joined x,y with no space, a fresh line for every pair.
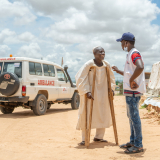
154,81
158,79
151,102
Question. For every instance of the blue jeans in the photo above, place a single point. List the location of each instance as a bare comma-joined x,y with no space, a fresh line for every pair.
134,120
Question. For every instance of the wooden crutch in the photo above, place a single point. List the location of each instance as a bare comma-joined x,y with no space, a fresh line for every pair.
110,97
88,125
86,129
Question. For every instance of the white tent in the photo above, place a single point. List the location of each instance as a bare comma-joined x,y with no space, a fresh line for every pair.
154,81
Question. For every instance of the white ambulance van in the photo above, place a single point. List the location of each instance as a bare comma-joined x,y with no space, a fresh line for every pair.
34,84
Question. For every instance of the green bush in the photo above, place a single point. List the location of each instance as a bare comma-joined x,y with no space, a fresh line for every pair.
143,106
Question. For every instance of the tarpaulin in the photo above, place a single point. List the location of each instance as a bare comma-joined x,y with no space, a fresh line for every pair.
154,81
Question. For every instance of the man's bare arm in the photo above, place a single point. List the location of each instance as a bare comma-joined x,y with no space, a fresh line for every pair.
138,70
117,70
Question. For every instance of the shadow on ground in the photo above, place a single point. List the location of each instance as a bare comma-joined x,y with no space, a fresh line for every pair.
137,155
29,113
94,145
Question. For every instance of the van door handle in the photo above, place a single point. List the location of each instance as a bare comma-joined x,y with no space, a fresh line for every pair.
32,84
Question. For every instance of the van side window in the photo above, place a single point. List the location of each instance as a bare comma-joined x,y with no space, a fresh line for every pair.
45,68
31,68
61,75
1,67
48,70
38,69
35,69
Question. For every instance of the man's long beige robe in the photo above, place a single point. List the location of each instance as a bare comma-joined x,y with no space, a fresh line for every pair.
101,115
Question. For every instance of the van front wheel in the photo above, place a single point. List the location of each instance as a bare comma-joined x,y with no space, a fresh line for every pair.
41,105
75,101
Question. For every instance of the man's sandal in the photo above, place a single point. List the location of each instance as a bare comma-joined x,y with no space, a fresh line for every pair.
99,140
82,143
133,150
127,145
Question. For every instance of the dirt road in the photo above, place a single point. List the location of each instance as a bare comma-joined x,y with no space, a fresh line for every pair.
24,136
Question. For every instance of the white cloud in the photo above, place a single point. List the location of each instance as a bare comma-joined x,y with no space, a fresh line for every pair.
26,36
102,24
11,37
18,10
77,26
32,50
59,8
6,34
4,50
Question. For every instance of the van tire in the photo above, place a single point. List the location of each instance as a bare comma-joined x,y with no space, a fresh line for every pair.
40,105
12,82
75,101
6,110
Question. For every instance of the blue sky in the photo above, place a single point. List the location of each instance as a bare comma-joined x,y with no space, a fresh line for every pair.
157,20
71,29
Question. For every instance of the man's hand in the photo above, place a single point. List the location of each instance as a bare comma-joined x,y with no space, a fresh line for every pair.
133,85
139,69
115,69
89,95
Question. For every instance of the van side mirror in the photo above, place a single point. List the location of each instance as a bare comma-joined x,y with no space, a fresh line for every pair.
65,67
69,78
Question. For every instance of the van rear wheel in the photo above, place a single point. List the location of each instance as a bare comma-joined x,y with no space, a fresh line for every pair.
6,110
41,105
75,101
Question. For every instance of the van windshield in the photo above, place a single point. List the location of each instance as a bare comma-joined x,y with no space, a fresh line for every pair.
61,75
13,67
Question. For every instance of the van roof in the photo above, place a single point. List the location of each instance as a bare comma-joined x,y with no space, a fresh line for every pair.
8,59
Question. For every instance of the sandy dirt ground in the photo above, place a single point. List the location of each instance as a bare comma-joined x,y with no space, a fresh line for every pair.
24,136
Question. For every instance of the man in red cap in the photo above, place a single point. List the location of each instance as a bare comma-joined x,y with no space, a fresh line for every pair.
134,87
